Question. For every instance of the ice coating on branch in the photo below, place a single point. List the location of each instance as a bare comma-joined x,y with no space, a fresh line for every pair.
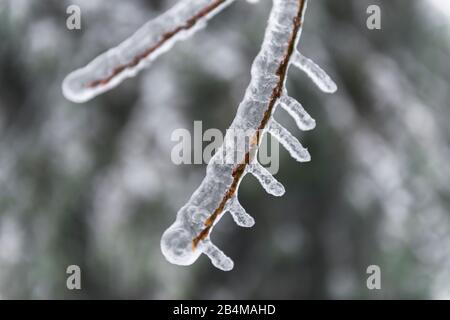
141,49
320,77
176,245
267,180
189,235
240,216
296,111
289,142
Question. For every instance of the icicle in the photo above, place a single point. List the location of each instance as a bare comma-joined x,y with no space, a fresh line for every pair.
294,108
176,244
240,216
289,142
267,180
218,258
320,77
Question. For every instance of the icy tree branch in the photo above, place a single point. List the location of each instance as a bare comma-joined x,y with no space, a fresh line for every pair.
141,49
186,239
189,236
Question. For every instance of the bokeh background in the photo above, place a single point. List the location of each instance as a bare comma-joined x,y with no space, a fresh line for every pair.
92,184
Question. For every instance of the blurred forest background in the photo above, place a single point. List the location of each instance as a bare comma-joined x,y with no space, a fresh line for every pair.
93,184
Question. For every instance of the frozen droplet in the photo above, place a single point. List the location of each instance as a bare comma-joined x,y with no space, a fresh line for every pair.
176,245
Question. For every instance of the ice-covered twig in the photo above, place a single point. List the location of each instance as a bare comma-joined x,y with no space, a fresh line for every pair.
266,91
189,236
141,49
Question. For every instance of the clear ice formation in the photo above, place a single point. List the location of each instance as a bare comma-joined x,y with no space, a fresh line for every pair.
189,235
175,245
320,77
296,111
138,51
240,216
266,179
